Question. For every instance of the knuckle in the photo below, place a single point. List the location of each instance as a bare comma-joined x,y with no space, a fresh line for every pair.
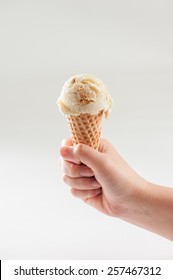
63,166
79,149
73,191
72,169
64,177
68,168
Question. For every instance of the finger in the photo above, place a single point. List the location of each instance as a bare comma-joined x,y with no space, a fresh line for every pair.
89,156
85,154
82,153
75,170
84,195
67,142
82,183
67,153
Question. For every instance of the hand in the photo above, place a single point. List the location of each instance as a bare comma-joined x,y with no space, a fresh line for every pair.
105,181
100,178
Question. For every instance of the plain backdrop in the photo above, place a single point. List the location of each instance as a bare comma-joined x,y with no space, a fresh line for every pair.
129,45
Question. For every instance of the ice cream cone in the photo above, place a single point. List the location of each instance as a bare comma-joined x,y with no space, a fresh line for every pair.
84,99
85,129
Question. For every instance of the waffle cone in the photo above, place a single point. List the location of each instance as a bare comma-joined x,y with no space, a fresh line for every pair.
85,129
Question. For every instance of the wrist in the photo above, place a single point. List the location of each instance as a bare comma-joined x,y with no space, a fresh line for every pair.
136,203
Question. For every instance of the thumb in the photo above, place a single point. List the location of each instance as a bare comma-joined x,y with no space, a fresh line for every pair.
89,156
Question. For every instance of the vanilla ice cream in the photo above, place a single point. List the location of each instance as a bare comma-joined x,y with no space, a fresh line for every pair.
84,94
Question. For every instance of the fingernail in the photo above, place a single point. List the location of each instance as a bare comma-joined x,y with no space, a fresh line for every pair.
63,142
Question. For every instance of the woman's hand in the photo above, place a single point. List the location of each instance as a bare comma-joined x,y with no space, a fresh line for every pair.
105,181
100,178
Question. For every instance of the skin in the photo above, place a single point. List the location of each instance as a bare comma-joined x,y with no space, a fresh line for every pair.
105,181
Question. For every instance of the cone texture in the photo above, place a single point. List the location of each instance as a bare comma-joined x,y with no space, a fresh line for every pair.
85,129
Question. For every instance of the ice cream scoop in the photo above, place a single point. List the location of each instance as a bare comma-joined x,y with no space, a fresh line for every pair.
83,100
84,94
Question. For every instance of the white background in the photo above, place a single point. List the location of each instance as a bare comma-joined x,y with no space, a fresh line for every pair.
129,45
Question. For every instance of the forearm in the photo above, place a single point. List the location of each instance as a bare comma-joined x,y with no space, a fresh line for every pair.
152,208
